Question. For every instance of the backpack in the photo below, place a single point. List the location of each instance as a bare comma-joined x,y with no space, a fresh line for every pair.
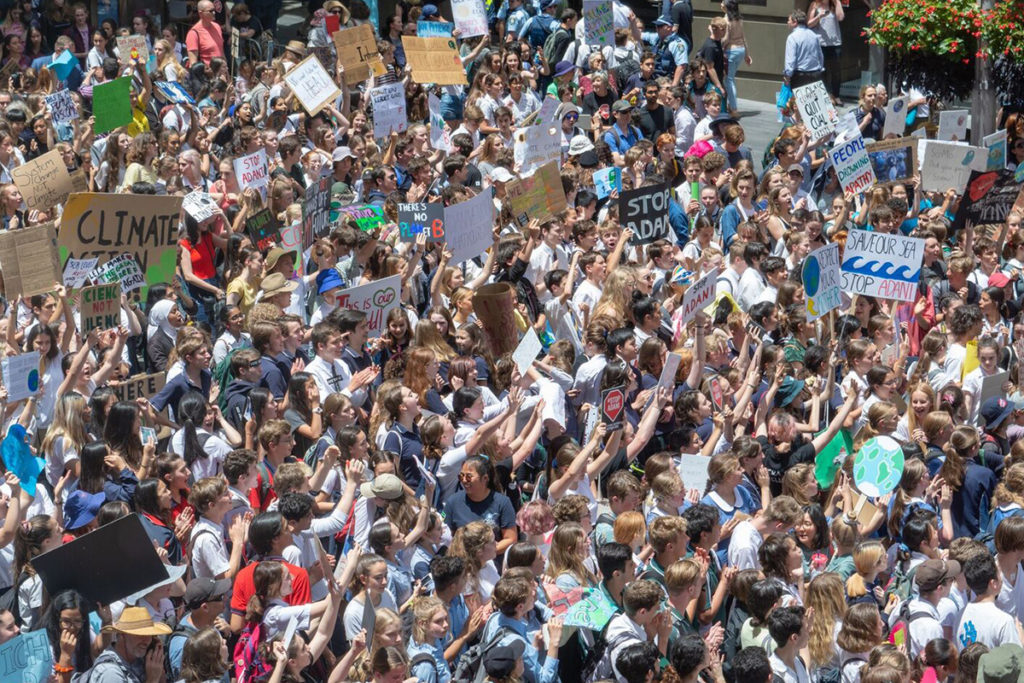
422,658
988,534
9,600
624,70
537,31
222,377
180,629
249,665
556,44
900,632
471,664
901,584
603,518
597,665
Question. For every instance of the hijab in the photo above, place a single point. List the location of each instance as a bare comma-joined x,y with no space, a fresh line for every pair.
158,320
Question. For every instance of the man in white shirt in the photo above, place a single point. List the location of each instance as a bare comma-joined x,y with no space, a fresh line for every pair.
752,282
782,514
588,293
330,373
791,632
547,256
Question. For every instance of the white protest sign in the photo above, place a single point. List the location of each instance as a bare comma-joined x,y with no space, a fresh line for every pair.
895,117
527,351
880,265
548,112
698,295
388,109
468,226
668,371
77,269
820,278
312,85
816,109
947,165
62,107
470,17
996,146
535,146
953,125
847,127
21,375
694,471
439,137
376,299
199,205
251,171
853,167
124,269
598,23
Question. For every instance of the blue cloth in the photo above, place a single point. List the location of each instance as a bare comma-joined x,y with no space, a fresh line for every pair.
803,52
970,508
19,459
620,141
534,670
729,222
679,222
272,378
178,387
407,443
426,672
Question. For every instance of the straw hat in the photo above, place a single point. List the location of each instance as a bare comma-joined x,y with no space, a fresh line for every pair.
135,621
296,46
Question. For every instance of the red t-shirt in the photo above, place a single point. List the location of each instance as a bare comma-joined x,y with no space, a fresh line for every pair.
245,587
203,255
205,42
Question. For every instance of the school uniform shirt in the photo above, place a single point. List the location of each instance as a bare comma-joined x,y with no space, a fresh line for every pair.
587,293
1011,595
436,671
746,540
333,377
279,613
787,675
984,622
214,447
209,553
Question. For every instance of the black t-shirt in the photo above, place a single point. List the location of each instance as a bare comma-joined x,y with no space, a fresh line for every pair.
655,122
800,451
599,105
712,52
682,17
495,509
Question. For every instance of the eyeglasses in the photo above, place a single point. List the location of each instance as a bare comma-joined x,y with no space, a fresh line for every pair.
254,364
71,623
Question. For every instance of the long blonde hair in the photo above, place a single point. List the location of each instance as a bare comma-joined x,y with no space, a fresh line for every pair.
825,595
169,59
564,555
385,619
67,424
866,557
617,293
1011,488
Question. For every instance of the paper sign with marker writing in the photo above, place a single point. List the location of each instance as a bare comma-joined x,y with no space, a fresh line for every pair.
535,146
251,171
62,107
434,60
698,295
820,277
694,471
947,165
26,657
468,227
44,181
470,17
598,23
21,375
124,269
375,299
434,29
133,47
357,51
388,109
816,109
880,265
76,270
199,205
419,218
527,351
100,308
853,168
312,85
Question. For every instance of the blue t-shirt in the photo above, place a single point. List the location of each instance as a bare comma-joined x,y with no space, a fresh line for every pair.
496,509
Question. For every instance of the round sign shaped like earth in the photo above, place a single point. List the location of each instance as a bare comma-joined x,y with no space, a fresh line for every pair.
811,276
878,466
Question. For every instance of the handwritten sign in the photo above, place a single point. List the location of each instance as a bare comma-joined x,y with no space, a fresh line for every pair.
996,146
316,212
598,23
853,168
820,277
895,117
693,469
124,270
29,259
470,17
251,171
879,265
357,52
468,227
434,60
389,113
100,308
365,216
27,657
816,109
133,47
527,351
645,212
988,199
21,375
109,225
537,196
312,85
893,161
698,295
434,29
139,386
262,229
439,137
953,125
376,299
62,107
291,240
199,205
44,182
535,146
421,218
77,270
946,165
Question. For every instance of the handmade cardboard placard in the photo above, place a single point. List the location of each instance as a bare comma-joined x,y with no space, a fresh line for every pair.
880,265
375,299
893,161
421,218
104,565
28,259
26,658
100,308
44,182
357,52
312,85
645,212
820,278
139,386
434,60
539,195
262,229
316,212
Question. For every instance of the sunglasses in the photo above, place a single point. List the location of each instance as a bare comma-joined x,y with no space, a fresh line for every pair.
572,117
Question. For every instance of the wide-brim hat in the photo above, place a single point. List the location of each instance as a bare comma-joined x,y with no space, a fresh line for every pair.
296,46
136,621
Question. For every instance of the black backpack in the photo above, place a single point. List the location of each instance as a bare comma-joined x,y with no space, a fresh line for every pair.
624,70
9,600
471,664
597,665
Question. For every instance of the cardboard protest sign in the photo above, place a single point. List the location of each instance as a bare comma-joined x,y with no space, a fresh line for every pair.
527,351
104,565
21,375
607,180
996,146
291,240
76,270
434,29
439,137
44,182
895,117
62,107
139,386
365,216
693,469
987,201
376,299
668,370
100,308
199,205
262,229
108,225
698,295
893,161
880,265
124,270
389,115
251,171
853,168
357,52
467,227
111,104
953,125
421,218
645,212
316,212
598,23
27,657
613,407
470,17
538,196
434,60
133,47
28,258
946,165
820,278
535,146
816,109
312,85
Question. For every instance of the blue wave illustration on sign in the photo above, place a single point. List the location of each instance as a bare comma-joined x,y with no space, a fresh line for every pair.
880,269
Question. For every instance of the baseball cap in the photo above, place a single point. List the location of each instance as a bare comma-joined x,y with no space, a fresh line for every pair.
500,662
931,573
994,410
80,508
386,486
500,174
205,589
1003,664
998,279
342,153
795,167
621,106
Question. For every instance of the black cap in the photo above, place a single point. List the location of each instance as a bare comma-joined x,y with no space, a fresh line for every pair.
205,589
500,662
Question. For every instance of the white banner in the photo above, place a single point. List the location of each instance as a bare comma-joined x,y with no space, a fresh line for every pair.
376,299
388,109
880,265
468,225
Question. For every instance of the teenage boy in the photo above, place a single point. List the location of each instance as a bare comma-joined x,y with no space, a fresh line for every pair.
588,293
615,560
353,323
275,436
514,599
704,527
982,621
782,514
449,576
933,579
246,369
643,619
683,582
268,340
1009,539
331,374
210,556
547,256
241,474
624,493
791,633
668,537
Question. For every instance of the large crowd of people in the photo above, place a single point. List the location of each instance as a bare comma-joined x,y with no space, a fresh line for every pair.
332,503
